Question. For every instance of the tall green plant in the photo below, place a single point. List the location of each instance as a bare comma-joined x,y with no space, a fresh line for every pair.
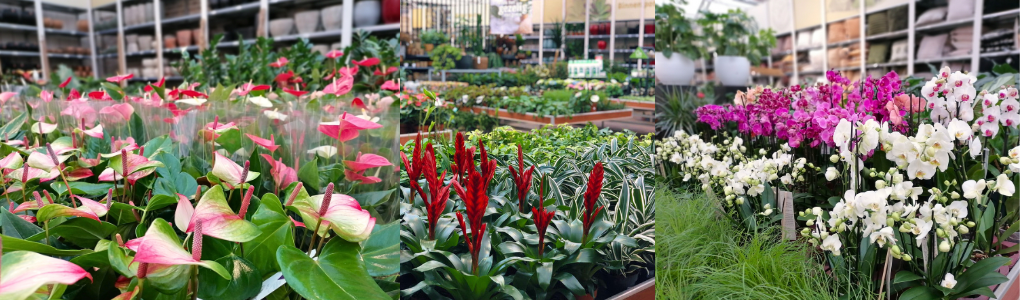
735,34
675,33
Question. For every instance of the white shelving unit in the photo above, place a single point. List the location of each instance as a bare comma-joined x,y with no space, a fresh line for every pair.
40,8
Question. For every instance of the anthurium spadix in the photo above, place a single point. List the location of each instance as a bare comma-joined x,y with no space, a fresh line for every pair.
161,247
219,220
344,215
22,273
229,172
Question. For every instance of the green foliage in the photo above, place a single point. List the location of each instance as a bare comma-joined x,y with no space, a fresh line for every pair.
444,57
433,36
735,34
676,111
675,33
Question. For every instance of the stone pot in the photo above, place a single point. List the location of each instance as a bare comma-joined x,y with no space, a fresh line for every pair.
731,70
169,41
676,70
132,47
184,37
366,13
391,11
145,42
331,17
307,21
281,27
131,38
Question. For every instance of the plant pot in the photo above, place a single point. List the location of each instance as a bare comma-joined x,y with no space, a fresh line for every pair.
649,28
481,62
499,50
429,47
331,17
169,41
466,61
680,69
587,296
281,27
366,13
307,21
184,37
391,11
145,42
196,35
732,70
602,45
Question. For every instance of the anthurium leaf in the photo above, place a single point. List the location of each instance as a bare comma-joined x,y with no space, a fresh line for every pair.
98,259
309,174
15,244
168,279
276,230
160,145
13,125
83,188
121,262
339,272
371,199
230,140
83,232
25,272
137,128
15,226
382,250
244,283
160,201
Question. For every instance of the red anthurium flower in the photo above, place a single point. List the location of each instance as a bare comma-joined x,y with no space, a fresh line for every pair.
522,178
25,272
269,144
194,94
296,93
285,76
415,164
435,200
99,95
476,199
280,62
591,196
390,85
248,88
388,71
367,161
66,81
360,176
339,87
368,62
118,112
73,95
334,54
282,174
357,102
347,127
119,78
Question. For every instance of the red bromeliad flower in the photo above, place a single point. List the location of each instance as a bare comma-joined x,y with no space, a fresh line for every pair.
435,200
542,218
476,199
462,157
414,166
591,196
522,179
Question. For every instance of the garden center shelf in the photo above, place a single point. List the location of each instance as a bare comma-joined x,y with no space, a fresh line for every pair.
639,105
533,118
839,15
407,137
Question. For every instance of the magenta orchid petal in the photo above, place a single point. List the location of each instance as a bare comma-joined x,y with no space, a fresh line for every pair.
219,221
367,161
269,144
184,213
25,272
228,171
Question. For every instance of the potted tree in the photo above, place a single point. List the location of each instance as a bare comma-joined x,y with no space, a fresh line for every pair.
737,43
678,46
431,38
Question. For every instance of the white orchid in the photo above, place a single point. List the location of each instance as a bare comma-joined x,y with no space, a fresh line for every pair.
832,244
1004,185
949,282
972,189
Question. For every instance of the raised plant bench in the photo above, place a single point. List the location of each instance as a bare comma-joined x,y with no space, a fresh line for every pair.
533,118
644,290
406,137
640,105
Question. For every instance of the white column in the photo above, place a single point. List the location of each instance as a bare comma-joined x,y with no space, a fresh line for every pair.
911,36
641,33
541,33
44,59
157,9
204,25
121,59
975,43
587,33
825,41
92,40
612,32
347,23
861,42
795,80
262,28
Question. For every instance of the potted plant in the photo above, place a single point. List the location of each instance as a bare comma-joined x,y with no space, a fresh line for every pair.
444,57
431,38
737,44
678,46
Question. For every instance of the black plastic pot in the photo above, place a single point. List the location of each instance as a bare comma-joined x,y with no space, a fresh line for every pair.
465,62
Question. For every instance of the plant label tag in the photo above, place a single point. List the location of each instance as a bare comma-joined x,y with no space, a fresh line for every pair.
789,221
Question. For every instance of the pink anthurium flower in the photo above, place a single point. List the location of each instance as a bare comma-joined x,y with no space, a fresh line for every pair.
75,173
390,85
6,96
11,161
280,62
160,246
360,176
339,87
387,71
43,127
46,96
26,272
367,161
248,88
119,78
73,95
26,174
342,212
282,174
183,213
118,112
229,172
96,132
347,127
89,209
43,161
219,221
368,62
80,111
269,144
334,54
136,164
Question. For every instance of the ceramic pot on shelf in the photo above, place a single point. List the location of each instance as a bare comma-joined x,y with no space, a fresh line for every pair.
366,13
737,70
169,41
145,42
331,17
391,11
184,37
602,45
678,69
307,21
281,27
196,34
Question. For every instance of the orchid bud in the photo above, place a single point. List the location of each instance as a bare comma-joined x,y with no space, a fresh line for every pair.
740,201
1005,160
895,249
890,222
880,184
245,201
963,229
906,257
971,224
802,214
805,232
326,198
940,233
800,178
954,195
944,246
811,222
834,158
196,241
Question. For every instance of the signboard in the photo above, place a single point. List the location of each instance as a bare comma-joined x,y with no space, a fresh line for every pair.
600,10
509,17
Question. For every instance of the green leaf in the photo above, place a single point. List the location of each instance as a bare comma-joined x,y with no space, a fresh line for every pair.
17,227
905,276
371,199
83,232
309,174
920,293
276,230
338,274
161,201
83,188
230,140
114,91
244,283
15,244
13,125
382,250
121,262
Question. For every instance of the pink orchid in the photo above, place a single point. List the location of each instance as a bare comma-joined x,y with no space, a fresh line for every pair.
282,174
269,144
229,172
334,54
219,221
119,78
280,62
26,272
360,176
118,112
390,85
347,128
368,62
367,161
46,96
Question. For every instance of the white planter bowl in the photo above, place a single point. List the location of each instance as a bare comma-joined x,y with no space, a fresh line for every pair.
281,27
367,13
307,21
331,17
732,70
675,70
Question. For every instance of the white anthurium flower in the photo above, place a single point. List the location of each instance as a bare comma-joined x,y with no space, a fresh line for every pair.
883,237
972,189
842,133
479,99
833,244
831,173
260,101
323,151
275,115
369,118
191,101
975,148
439,102
464,98
1004,186
594,98
949,282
